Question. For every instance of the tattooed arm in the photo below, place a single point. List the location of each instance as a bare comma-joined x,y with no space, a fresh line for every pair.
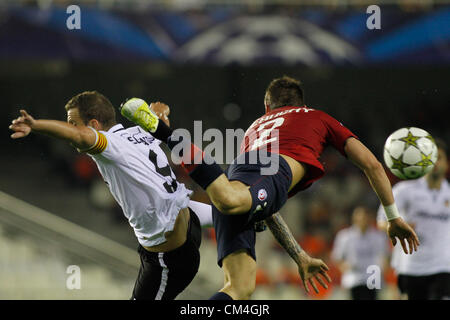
284,236
308,267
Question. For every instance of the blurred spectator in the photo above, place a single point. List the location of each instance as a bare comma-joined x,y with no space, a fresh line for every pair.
355,249
84,169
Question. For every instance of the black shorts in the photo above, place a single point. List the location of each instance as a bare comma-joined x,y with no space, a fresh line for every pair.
431,287
164,275
362,292
269,194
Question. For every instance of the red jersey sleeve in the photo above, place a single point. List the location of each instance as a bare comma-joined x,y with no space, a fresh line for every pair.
337,133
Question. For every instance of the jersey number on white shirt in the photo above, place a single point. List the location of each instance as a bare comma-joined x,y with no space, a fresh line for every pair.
165,171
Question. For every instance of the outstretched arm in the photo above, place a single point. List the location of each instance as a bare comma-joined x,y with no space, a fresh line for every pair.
80,137
372,168
308,267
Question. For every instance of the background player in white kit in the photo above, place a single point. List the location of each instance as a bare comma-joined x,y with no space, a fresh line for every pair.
140,179
355,249
425,205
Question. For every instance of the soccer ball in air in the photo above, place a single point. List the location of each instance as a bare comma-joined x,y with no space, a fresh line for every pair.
410,153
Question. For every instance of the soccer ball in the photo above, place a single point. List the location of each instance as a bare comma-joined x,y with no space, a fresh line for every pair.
410,153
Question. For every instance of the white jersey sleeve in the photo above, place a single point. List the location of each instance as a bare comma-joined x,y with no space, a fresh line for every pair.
141,180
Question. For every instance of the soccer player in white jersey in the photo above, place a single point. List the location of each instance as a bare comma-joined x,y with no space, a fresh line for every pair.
425,205
139,177
355,250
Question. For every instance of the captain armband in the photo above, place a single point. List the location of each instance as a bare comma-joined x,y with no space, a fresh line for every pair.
100,143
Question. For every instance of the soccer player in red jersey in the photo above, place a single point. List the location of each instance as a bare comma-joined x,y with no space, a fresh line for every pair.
294,136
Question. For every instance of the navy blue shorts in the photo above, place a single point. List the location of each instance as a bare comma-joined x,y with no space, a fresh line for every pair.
269,194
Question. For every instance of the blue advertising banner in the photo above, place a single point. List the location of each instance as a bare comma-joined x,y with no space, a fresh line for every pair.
311,37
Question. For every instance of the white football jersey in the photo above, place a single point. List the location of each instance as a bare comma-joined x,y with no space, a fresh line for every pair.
139,177
360,251
429,211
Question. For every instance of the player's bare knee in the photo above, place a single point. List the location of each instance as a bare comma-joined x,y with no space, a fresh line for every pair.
226,203
229,209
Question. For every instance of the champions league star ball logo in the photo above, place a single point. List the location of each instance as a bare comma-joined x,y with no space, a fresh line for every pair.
262,194
250,39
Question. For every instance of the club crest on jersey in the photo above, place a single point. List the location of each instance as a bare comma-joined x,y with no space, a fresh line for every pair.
262,194
447,203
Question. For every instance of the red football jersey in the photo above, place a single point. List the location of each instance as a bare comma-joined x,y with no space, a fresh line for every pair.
301,133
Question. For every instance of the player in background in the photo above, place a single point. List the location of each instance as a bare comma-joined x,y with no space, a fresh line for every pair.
244,196
355,249
139,177
425,205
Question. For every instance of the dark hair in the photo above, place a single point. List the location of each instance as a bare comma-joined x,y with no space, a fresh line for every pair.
284,91
93,105
441,144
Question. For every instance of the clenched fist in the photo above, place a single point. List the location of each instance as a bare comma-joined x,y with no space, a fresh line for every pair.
162,110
